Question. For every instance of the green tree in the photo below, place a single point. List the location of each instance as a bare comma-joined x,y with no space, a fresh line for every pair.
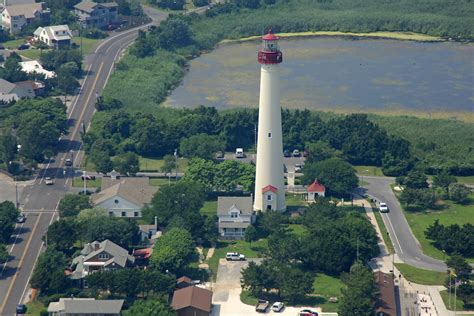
102,161
251,234
8,214
424,198
466,293
443,180
203,172
127,163
3,253
169,164
48,275
416,179
294,284
149,308
320,151
118,230
460,266
173,251
11,70
63,234
71,204
201,146
359,295
459,192
338,176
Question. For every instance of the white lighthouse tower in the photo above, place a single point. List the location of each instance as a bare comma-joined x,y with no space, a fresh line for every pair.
269,179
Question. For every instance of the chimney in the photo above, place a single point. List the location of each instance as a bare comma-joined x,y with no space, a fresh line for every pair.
156,223
96,246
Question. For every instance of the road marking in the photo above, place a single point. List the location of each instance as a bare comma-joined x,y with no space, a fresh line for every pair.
394,234
80,90
19,265
36,259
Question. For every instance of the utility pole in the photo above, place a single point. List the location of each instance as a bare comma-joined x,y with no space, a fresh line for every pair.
176,161
16,196
449,292
84,178
455,305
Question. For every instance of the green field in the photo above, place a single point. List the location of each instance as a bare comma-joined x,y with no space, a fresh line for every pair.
34,308
13,44
421,276
209,208
32,53
79,183
459,304
297,229
160,181
452,214
88,44
369,171
466,180
155,164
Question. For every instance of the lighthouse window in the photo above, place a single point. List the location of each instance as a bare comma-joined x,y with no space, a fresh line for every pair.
269,135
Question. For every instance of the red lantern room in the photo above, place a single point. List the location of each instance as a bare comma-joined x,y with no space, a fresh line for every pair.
270,52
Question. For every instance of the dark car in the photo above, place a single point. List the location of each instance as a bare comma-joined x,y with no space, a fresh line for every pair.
286,153
21,309
88,177
2,47
87,192
23,46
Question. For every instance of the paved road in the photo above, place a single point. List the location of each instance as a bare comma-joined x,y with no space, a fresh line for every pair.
405,244
39,200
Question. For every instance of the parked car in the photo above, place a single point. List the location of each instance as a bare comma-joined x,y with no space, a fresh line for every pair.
239,153
21,309
298,167
262,306
220,155
68,162
277,306
21,218
383,208
296,153
87,192
2,47
88,177
23,46
234,256
48,181
307,312
286,153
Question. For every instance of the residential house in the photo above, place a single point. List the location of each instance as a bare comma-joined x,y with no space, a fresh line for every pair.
58,36
15,17
235,215
315,190
183,282
192,301
100,256
96,15
124,197
85,307
10,91
33,66
386,304
38,87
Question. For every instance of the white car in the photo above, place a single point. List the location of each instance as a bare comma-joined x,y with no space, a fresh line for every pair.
277,306
298,167
234,256
48,181
383,208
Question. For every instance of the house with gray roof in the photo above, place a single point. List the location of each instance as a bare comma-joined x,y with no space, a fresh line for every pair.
124,197
100,256
57,36
235,214
96,15
85,307
10,91
15,17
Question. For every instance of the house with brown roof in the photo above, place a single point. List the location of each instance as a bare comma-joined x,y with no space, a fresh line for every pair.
15,17
315,190
96,15
192,301
124,197
386,304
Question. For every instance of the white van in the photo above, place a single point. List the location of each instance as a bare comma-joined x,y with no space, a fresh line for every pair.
234,256
239,153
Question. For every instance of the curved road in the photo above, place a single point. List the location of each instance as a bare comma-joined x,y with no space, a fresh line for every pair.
40,201
405,244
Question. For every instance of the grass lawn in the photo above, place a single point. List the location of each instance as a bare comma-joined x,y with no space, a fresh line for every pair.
209,208
32,53
466,180
243,247
452,214
369,171
297,229
154,165
421,276
79,183
459,304
34,308
160,181
13,44
88,44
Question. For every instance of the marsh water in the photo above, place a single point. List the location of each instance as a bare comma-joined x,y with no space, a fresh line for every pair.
337,73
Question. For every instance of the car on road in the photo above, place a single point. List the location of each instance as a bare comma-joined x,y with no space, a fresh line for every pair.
277,306
48,181
239,153
262,306
383,208
21,309
307,312
87,177
21,218
234,256
68,162
298,167
296,153
286,153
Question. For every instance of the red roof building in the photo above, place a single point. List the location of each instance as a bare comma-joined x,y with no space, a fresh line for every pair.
269,188
316,189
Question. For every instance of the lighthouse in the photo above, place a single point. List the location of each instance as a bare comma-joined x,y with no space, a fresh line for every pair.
269,178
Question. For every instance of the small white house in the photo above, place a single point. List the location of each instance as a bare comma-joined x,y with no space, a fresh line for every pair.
269,198
315,190
33,66
58,36
15,17
124,197
235,215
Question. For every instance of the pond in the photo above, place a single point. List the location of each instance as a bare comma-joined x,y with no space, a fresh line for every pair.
337,73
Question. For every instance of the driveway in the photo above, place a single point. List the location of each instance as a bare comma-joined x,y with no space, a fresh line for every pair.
226,298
